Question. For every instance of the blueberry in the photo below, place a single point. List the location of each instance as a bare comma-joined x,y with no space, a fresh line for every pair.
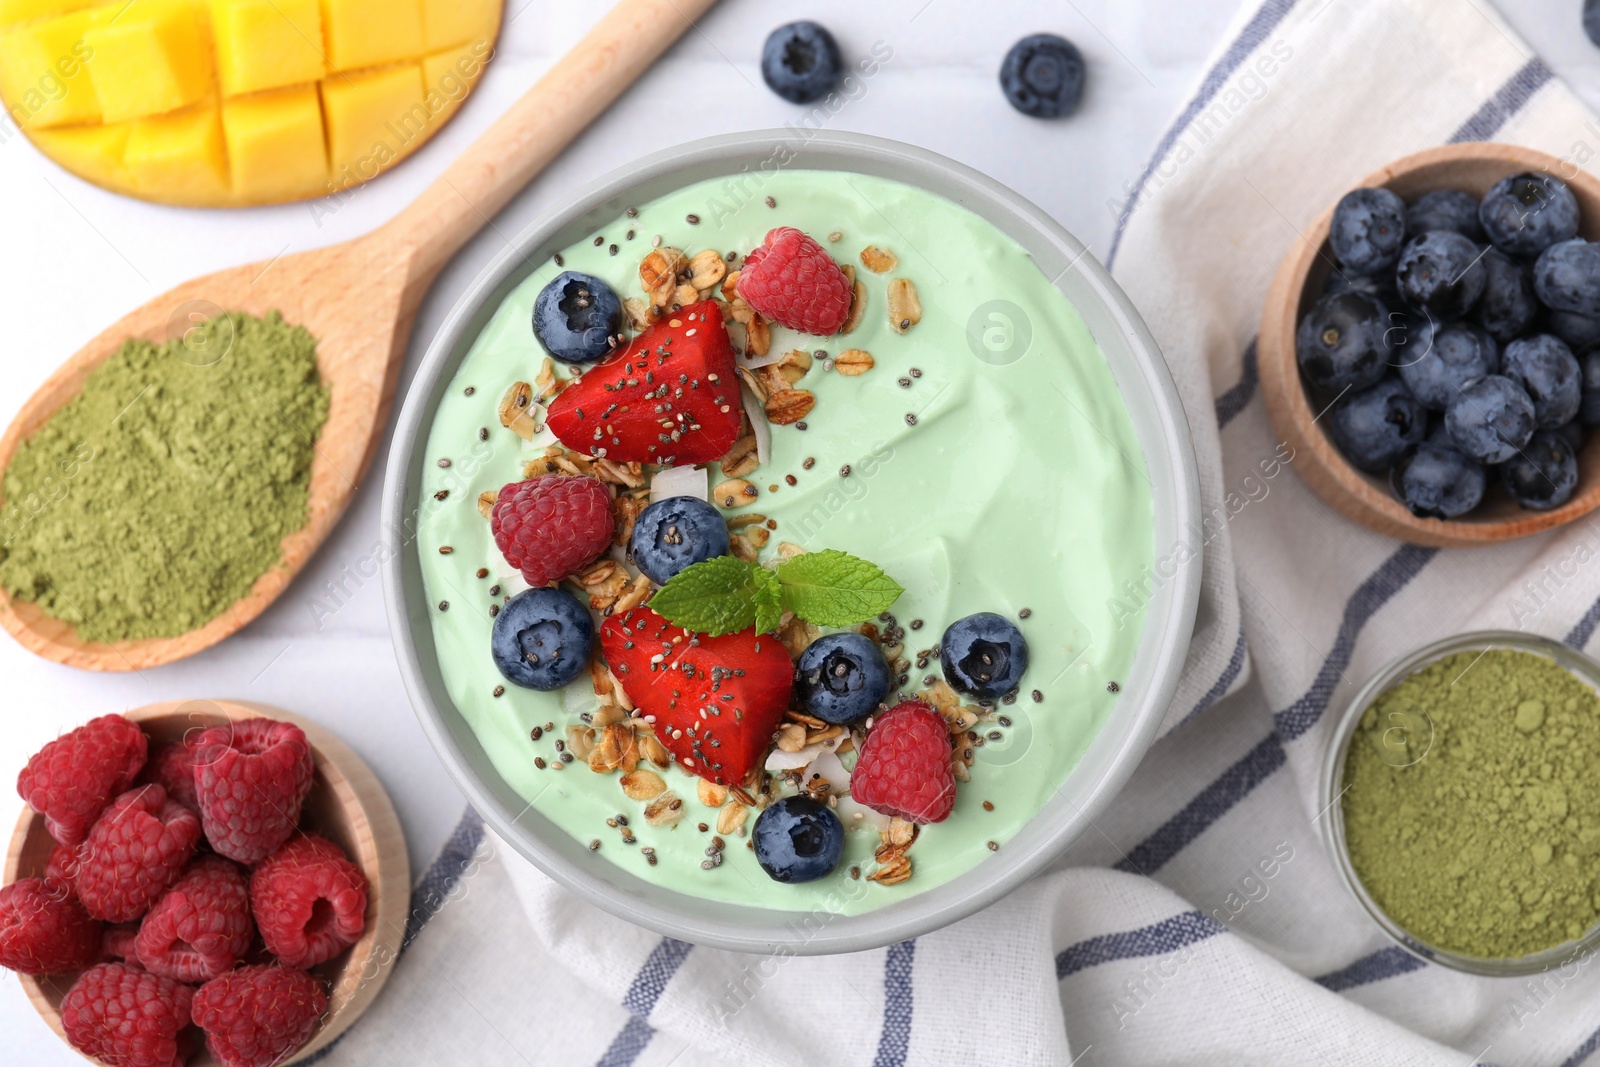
1589,407
1527,213
1581,332
1380,285
1378,425
1591,20
676,533
1043,76
841,678
798,839
1442,273
1445,209
1509,305
1567,276
1344,341
1457,355
1368,230
1573,433
577,318
1490,419
983,655
543,639
1544,474
801,62
1438,482
1547,370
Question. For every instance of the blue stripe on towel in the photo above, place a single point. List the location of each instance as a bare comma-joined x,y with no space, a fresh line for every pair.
1371,595
1212,802
1239,780
1507,101
1238,396
1158,939
1584,1051
1255,31
1581,633
895,1038
1385,963
640,1000
1215,693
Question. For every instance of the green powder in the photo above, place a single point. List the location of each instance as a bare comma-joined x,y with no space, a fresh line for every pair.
152,502
1472,804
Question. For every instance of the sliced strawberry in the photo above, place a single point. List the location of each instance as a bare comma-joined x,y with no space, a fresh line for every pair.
714,702
670,397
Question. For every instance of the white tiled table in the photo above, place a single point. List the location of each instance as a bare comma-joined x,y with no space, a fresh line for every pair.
75,258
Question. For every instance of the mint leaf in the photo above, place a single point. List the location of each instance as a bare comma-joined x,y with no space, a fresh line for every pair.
833,588
718,596
769,599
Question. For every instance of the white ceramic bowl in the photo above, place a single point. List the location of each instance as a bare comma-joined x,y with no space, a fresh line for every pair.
1157,418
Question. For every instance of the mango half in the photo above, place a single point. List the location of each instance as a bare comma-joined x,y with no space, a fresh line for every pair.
218,103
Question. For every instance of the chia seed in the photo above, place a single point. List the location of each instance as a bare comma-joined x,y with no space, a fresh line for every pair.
916,624
810,461
599,240
911,420
905,383
538,761
1113,687
594,846
483,572
536,733
1038,697
791,479
631,234
801,425
994,735
771,202
988,805
499,691
1004,720
566,757
633,212
445,463
483,433
994,846
494,609
443,494
612,250
1025,613
916,372
692,220
844,471
445,550
444,605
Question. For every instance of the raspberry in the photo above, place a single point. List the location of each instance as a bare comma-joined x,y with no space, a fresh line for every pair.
70,780
118,942
171,767
201,927
793,281
44,930
125,1017
62,866
258,1016
309,901
904,767
553,525
251,778
136,850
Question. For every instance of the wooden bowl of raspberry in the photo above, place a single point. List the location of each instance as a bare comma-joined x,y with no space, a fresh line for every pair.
262,914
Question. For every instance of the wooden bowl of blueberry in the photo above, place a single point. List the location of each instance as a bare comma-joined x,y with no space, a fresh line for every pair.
1431,349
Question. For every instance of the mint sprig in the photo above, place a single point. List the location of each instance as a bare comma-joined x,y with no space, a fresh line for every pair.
726,594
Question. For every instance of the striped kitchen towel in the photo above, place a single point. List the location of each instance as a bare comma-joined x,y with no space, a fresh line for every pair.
1201,923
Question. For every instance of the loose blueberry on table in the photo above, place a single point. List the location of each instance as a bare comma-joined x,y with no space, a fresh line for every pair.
1043,76
801,62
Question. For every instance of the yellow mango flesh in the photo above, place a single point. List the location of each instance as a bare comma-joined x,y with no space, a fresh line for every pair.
238,102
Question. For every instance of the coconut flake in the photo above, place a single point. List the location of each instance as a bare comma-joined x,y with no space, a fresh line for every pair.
757,414
778,760
857,816
513,583
749,362
832,770
679,481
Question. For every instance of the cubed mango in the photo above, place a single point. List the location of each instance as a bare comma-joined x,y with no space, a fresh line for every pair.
26,10
267,44
373,119
96,150
365,33
178,153
149,60
44,73
446,23
449,76
275,144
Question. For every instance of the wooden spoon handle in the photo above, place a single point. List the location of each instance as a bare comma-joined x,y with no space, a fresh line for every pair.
561,105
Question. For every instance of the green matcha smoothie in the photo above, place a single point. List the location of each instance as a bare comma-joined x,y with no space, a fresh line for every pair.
992,467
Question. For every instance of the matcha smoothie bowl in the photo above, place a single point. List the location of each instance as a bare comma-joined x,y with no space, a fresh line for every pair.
780,533
1462,802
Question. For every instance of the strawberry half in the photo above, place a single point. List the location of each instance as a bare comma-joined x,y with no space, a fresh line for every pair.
670,397
714,702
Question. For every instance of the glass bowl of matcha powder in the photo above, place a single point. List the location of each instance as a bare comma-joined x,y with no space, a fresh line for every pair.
1462,800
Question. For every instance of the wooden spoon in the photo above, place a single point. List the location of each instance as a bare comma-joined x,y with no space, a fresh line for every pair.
359,300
